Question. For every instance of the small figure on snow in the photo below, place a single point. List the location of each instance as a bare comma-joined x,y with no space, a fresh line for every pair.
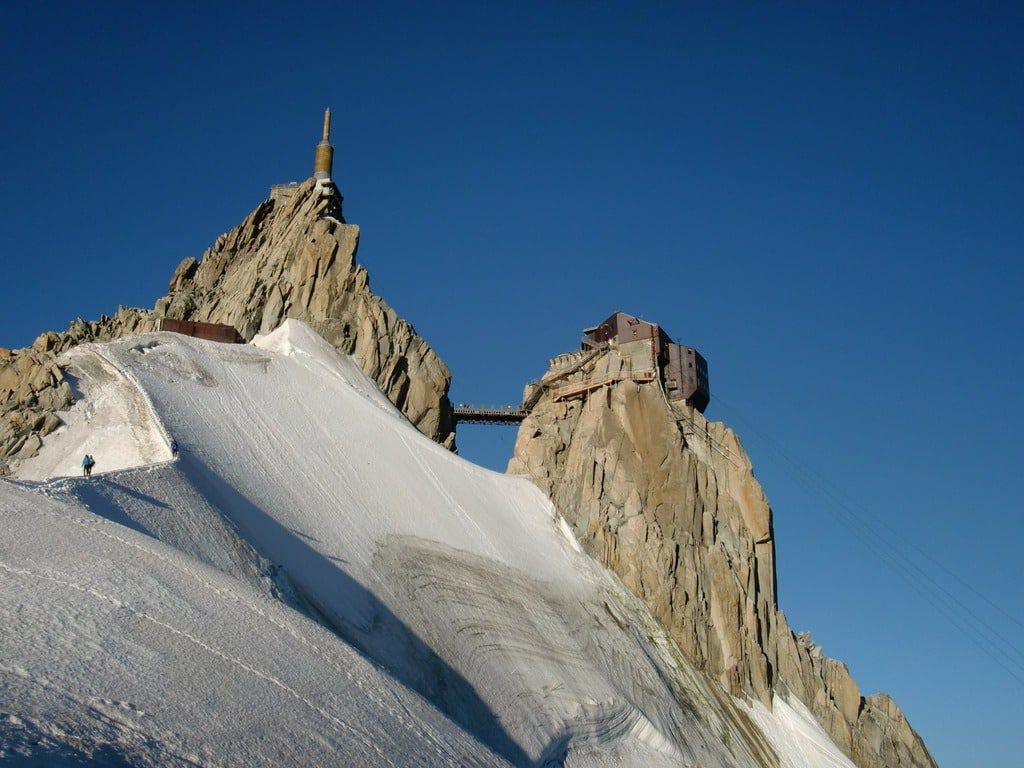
174,448
87,464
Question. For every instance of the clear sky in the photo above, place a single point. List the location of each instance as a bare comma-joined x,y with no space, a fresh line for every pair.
827,202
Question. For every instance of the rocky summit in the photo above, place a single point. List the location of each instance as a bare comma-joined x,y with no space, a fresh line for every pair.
668,501
654,492
292,257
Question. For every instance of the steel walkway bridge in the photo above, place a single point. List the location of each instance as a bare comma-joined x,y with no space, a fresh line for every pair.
476,414
514,414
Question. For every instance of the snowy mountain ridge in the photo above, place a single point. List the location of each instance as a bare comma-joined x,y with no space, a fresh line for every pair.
312,581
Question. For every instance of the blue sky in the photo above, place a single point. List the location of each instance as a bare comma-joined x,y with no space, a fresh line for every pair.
827,201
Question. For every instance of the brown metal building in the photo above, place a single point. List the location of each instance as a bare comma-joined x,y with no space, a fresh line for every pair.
209,331
621,328
686,376
683,370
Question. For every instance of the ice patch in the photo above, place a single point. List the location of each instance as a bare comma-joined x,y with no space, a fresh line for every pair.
796,736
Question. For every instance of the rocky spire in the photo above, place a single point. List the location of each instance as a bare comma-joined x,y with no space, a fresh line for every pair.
292,257
669,502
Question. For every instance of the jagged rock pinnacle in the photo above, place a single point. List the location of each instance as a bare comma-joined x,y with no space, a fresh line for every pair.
669,502
292,257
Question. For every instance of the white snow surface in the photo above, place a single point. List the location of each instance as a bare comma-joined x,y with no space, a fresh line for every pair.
313,582
111,418
796,736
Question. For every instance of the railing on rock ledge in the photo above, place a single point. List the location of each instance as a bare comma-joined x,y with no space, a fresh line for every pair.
605,379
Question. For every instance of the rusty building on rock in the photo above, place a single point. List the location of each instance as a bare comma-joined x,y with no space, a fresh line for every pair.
683,370
644,353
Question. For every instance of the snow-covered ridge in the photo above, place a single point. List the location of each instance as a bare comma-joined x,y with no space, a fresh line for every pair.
338,587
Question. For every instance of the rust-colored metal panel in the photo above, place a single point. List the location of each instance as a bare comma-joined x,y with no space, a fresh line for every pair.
621,328
606,331
693,377
209,331
675,384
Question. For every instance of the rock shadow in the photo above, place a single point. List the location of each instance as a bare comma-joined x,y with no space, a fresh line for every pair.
364,622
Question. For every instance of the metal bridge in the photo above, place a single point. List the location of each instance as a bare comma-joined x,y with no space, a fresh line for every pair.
476,414
514,414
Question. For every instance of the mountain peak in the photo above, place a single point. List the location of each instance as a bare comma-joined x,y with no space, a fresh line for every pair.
668,501
293,256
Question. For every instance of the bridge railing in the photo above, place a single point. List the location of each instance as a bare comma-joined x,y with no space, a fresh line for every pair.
503,414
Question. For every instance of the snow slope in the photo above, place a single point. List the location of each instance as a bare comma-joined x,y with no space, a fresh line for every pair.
111,418
118,650
453,594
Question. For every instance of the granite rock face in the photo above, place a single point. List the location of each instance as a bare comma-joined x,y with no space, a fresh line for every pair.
669,502
292,257
32,390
